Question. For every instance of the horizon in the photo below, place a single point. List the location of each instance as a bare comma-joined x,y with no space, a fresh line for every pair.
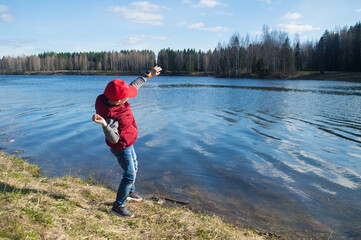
32,28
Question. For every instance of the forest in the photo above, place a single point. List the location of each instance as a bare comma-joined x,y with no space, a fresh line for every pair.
271,56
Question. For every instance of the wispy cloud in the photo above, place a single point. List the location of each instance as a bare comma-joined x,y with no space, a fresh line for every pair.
293,26
297,28
6,17
200,26
136,39
208,3
196,26
4,8
183,23
16,42
266,1
358,10
292,16
140,12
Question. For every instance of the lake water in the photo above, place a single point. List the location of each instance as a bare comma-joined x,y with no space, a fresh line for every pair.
278,156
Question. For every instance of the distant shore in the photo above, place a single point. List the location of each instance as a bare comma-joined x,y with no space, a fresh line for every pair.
301,75
104,73
333,76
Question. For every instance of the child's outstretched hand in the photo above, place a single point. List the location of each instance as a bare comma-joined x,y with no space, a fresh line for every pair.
99,119
155,71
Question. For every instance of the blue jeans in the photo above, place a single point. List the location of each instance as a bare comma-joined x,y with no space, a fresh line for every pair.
128,161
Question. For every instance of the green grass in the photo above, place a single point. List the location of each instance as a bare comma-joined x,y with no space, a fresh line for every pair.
34,207
38,216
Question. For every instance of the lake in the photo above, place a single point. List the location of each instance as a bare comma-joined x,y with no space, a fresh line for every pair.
274,155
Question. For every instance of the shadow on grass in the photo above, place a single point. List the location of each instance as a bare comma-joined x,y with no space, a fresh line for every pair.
10,189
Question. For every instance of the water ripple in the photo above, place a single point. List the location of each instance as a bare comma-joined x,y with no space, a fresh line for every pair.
258,88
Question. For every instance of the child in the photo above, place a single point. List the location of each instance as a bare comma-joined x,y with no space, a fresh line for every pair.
113,112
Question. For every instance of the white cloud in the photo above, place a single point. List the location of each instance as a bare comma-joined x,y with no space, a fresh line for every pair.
208,3
132,40
4,8
16,43
146,6
186,1
200,26
7,18
266,1
160,38
216,29
297,28
292,26
136,39
137,16
140,12
183,23
358,10
196,26
292,16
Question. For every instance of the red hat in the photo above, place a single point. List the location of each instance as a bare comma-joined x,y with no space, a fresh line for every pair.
118,89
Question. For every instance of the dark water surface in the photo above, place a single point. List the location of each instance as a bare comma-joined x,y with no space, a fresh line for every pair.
279,156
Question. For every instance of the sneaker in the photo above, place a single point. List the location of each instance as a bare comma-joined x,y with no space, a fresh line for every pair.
121,211
135,197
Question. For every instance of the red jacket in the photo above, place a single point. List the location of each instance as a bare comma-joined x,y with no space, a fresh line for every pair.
127,128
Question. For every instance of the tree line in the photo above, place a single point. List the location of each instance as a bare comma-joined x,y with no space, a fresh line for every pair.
123,61
273,55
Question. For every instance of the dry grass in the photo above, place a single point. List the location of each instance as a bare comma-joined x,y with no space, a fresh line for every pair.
333,76
34,207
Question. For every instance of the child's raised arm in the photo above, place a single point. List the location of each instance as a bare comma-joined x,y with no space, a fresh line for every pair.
137,83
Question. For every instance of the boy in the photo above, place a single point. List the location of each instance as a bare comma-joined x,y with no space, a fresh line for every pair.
113,112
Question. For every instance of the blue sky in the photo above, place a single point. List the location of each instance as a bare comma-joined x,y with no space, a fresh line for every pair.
31,27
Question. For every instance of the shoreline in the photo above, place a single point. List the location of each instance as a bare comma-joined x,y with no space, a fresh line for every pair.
102,73
38,207
328,76
301,75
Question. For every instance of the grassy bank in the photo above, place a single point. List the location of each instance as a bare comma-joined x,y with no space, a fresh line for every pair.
333,76
35,207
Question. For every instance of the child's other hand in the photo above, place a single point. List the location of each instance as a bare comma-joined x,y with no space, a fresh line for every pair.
99,119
